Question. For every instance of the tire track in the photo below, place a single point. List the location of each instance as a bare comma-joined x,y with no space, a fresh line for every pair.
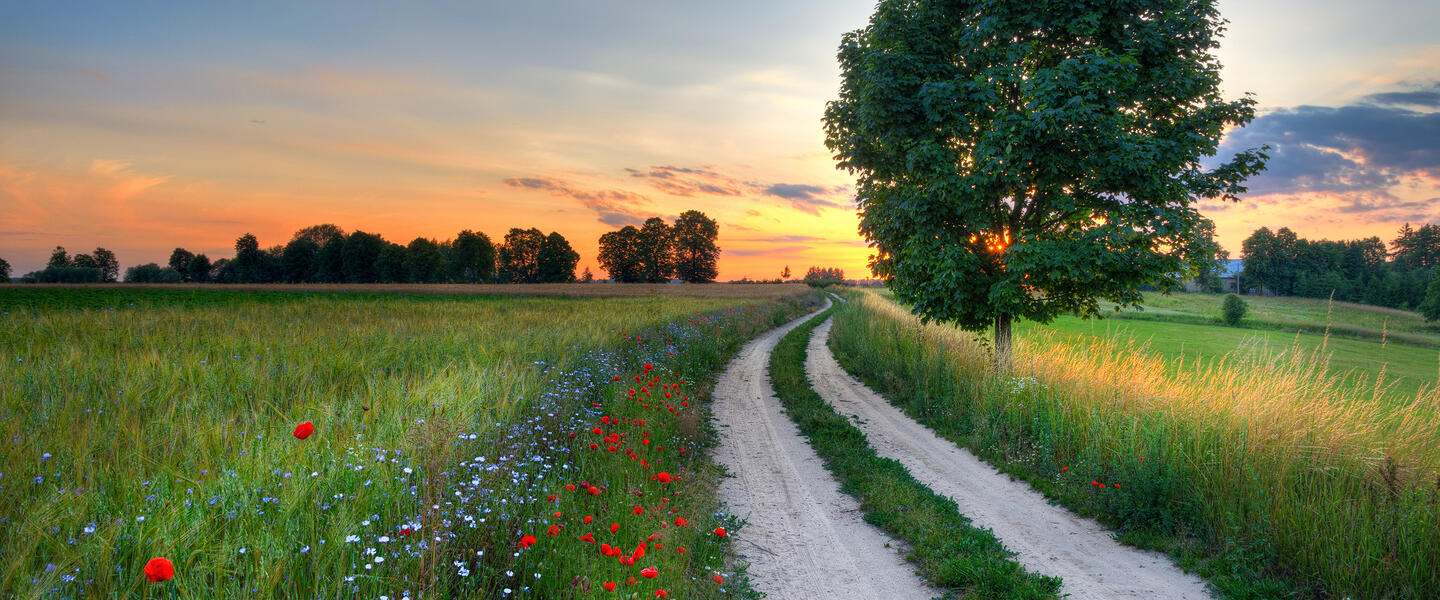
803,538
1046,539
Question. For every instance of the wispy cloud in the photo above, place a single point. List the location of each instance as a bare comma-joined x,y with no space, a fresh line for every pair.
807,198
691,181
612,207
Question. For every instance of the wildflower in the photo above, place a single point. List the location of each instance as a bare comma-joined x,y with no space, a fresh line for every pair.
718,579
526,541
638,510
609,586
681,522
304,430
159,569
661,594
553,531
588,519
720,531
662,476
649,573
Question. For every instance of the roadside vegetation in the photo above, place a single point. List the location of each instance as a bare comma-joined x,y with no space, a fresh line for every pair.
450,450
949,551
1268,474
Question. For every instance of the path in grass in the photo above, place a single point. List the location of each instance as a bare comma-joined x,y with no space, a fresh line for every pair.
1046,539
803,538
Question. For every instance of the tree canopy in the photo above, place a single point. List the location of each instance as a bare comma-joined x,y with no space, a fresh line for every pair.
1028,160
696,253
619,254
556,260
518,257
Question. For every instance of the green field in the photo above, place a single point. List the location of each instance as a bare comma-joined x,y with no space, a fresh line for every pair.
162,427
1270,472
1407,369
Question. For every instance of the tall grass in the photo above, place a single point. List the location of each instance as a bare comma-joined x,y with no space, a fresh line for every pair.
1263,471
164,430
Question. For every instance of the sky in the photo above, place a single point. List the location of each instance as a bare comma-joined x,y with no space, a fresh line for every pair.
146,126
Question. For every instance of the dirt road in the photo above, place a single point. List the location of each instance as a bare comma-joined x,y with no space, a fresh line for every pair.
804,539
1047,539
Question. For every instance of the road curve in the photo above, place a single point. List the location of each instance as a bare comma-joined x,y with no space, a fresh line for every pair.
1047,539
803,537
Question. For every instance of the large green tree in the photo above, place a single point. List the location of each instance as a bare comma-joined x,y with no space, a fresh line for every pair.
180,261
555,263
517,258
1030,159
424,261
655,251
297,261
359,255
696,253
472,258
619,254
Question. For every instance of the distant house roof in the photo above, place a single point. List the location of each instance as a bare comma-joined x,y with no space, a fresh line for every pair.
1231,267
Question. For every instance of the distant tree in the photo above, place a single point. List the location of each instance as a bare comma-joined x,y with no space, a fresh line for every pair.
180,261
198,270
1030,159
59,258
471,258
620,254
696,253
1233,310
5,271
330,261
152,273
390,265
359,255
1418,248
785,274
585,277
424,261
818,276
517,257
1270,259
1430,306
297,261
248,262
656,251
556,260
1207,272
84,261
319,234
107,263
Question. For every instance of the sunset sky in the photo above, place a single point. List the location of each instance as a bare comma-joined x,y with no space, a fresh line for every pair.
144,126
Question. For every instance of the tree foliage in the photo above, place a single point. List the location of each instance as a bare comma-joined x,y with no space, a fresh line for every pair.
619,254
297,263
1282,263
517,259
696,253
4,271
424,261
358,256
556,260
180,261
1031,159
655,251
59,259
472,258
1430,306
1233,310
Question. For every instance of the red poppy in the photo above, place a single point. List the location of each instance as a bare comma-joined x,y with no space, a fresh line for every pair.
1117,485
681,522
1064,468
609,586
589,518
554,530
570,486
159,569
718,579
638,510
649,573
304,430
589,538
614,527
594,491
662,594
527,541
720,531
662,476
405,532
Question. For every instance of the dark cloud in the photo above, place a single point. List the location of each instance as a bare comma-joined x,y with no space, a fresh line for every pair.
612,207
1356,152
1421,97
806,198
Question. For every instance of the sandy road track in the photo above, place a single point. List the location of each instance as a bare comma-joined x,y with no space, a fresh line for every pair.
1047,539
804,538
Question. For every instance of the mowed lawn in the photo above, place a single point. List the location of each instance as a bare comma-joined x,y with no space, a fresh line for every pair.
1407,368
147,423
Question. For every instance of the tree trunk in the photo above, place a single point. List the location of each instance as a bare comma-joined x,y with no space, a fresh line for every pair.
1002,343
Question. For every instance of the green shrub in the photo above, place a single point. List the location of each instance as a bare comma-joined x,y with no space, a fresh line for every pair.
1233,310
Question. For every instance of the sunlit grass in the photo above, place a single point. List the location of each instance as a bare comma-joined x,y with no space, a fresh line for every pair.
1267,471
165,430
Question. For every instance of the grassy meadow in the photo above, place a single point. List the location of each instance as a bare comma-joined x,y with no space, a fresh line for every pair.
141,423
1273,475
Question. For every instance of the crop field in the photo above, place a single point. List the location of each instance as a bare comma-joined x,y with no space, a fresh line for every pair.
457,446
1272,475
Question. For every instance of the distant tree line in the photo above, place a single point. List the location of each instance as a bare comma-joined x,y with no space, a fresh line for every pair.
99,266
1363,270
657,251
